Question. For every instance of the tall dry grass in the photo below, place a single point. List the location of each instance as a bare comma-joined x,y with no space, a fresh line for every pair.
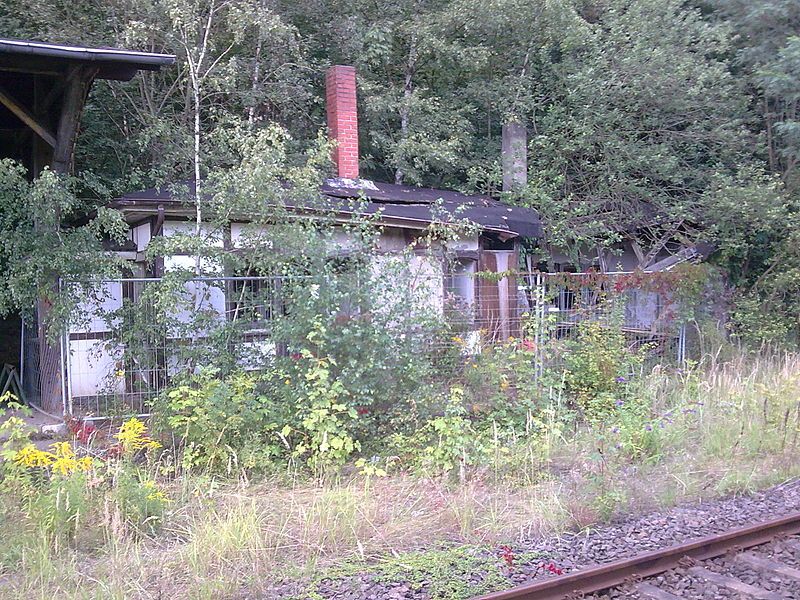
729,426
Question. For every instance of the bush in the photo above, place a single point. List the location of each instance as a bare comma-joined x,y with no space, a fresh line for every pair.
449,443
223,423
255,421
597,364
754,324
501,383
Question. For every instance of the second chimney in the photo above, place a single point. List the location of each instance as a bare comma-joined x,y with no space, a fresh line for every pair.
340,96
515,156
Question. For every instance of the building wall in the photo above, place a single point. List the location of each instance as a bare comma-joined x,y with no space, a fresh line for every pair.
96,366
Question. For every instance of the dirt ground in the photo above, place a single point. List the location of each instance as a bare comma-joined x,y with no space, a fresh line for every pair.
34,421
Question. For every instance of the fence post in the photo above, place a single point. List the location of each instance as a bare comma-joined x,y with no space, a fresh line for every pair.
539,332
682,344
67,372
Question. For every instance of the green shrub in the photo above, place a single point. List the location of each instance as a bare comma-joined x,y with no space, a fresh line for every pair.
446,444
296,409
754,324
325,418
138,499
223,424
597,365
501,383
633,431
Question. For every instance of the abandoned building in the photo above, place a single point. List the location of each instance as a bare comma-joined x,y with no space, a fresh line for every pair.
403,213
39,121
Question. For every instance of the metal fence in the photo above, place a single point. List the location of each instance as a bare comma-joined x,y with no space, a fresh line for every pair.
647,319
132,337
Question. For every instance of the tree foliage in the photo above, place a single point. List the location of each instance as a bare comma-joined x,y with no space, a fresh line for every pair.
650,120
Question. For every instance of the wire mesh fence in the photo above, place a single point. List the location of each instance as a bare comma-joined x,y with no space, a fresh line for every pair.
133,337
29,361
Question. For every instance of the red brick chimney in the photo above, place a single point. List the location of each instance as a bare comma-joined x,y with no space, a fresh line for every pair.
340,96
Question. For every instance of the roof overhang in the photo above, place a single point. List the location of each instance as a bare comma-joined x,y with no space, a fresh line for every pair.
402,206
141,208
53,59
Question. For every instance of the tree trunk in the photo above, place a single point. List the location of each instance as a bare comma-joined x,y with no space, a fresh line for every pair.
196,160
405,107
51,354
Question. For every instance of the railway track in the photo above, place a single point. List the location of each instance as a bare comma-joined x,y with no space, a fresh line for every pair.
756,561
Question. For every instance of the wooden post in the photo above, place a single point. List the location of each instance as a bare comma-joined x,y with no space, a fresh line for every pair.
51,375
75,93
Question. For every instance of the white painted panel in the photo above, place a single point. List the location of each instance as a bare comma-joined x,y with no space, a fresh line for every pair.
642,309
402,284
213,236
92,312
392,239
464,244
198,296
94,368
141,235
255,353
242,232
427,282
461,284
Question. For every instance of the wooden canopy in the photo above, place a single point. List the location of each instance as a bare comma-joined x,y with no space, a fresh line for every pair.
43,89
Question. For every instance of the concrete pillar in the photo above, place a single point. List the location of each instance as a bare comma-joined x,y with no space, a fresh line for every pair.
515,156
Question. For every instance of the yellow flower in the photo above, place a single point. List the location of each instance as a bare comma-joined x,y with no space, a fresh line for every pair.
155,494
31,456
62,450
61,460
65,462
457,339
504,385
65,466
133,436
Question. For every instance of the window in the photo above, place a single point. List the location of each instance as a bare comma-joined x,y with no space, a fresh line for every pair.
254,299
460,287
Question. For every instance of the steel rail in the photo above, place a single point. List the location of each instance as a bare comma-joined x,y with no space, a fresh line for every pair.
609,575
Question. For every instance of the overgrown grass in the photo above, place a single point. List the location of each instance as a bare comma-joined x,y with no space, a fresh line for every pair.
720,427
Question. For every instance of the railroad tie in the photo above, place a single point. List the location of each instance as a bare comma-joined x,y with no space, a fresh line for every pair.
761,563
734,584
646,590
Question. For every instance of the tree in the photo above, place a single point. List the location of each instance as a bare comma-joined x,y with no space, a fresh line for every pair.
38,246
764,59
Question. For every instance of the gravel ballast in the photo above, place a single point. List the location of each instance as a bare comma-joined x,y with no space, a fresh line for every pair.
605,543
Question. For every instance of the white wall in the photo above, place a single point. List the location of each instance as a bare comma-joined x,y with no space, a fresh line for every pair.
141,234
93,363
214,237
89,318
96,366
93,368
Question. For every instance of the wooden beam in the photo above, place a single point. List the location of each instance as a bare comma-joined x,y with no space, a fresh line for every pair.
10,68
637,250
58,88
71,108
24,115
